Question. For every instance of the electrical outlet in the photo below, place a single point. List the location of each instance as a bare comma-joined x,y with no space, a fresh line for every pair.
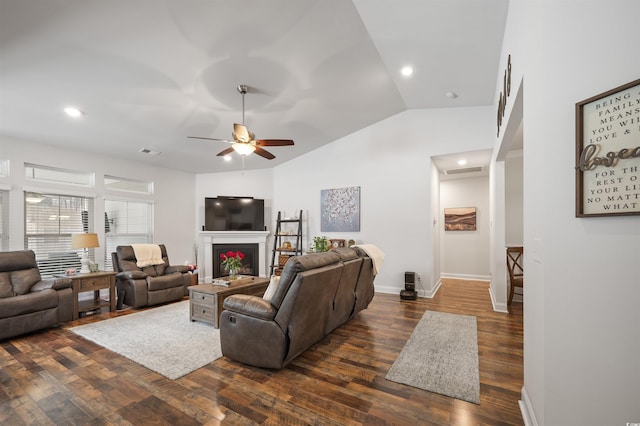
537,250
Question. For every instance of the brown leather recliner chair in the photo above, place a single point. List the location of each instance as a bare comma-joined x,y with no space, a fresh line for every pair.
27,302
149,285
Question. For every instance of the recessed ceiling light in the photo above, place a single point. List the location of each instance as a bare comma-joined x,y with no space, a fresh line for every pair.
73,112
227,158
462,162
451,95
407,71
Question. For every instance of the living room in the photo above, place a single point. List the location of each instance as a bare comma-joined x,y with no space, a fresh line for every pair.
580,365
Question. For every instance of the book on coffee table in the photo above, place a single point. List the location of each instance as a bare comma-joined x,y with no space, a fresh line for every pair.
221,282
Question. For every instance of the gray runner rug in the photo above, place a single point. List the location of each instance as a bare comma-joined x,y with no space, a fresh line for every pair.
441,356
163,339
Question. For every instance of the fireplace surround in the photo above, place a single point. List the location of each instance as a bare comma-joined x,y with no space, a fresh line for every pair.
249,263
207,239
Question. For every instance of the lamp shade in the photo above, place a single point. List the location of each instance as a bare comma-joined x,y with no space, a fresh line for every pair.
84,241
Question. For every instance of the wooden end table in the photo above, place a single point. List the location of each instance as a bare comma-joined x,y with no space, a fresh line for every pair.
206,301
93,281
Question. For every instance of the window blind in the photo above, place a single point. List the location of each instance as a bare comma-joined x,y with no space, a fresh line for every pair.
130,222
50,219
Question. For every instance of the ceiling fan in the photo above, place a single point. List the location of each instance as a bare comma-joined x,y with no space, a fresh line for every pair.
244,142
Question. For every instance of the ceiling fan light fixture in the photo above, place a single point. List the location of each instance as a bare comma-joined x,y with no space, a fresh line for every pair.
243,148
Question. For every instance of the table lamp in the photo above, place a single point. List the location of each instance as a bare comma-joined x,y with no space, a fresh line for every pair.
84,242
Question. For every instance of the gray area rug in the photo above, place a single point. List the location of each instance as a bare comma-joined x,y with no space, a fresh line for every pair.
441,356
163,339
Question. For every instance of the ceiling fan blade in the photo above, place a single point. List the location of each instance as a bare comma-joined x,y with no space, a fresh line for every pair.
274,142
241,132
211,139
225,152
264,153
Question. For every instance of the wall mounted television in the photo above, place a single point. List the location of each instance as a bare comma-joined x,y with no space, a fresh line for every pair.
233,214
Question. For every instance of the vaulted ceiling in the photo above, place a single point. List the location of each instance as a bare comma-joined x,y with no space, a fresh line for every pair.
148,73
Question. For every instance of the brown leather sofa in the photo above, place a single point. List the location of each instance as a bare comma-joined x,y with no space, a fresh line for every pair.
317,293
27,302
149,285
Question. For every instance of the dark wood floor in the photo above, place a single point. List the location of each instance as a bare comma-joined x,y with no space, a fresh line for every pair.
56,377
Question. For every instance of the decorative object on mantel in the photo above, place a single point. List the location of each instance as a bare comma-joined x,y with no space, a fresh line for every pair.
608,153
460,219
340,209
232,262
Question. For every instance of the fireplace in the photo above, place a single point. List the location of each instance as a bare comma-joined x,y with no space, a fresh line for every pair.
208,239
249,263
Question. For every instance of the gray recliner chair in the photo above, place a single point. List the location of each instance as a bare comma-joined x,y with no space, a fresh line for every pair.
149,285
27,302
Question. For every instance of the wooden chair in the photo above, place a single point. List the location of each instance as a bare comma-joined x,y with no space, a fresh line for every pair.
516,272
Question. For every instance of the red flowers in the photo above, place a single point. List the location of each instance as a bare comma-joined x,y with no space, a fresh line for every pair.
232,260
237,254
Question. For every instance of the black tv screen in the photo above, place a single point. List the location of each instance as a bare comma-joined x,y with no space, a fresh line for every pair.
233,214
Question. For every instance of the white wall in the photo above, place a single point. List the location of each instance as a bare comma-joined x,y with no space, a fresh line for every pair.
514,213
393,168
582,293
172,198
465,254
249,183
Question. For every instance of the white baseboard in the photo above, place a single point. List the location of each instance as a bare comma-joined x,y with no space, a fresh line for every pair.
419,289
526,409
387,290
429,295
497,307
466,276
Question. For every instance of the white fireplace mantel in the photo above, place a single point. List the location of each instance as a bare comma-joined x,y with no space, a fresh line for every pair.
207,239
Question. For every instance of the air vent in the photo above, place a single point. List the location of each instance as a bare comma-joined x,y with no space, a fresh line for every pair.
464,170
149,151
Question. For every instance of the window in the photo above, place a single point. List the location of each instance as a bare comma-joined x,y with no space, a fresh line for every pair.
4,168
55,175
4,220
127,222
50,219
127,185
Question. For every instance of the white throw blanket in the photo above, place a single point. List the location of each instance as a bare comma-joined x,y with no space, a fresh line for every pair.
147,254
376,255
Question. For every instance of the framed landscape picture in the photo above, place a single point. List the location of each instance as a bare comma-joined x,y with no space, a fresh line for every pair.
460,219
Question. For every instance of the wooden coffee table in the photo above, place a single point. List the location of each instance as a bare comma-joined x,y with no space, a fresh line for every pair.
207,300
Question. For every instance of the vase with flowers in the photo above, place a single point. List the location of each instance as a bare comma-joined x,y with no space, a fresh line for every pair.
232,263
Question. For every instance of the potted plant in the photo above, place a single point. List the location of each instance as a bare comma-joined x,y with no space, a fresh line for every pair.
320,244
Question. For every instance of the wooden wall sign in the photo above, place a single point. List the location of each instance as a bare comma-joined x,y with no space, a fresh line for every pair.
608,153
504,95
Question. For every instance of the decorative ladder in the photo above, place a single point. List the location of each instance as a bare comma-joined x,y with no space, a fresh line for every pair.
281,236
